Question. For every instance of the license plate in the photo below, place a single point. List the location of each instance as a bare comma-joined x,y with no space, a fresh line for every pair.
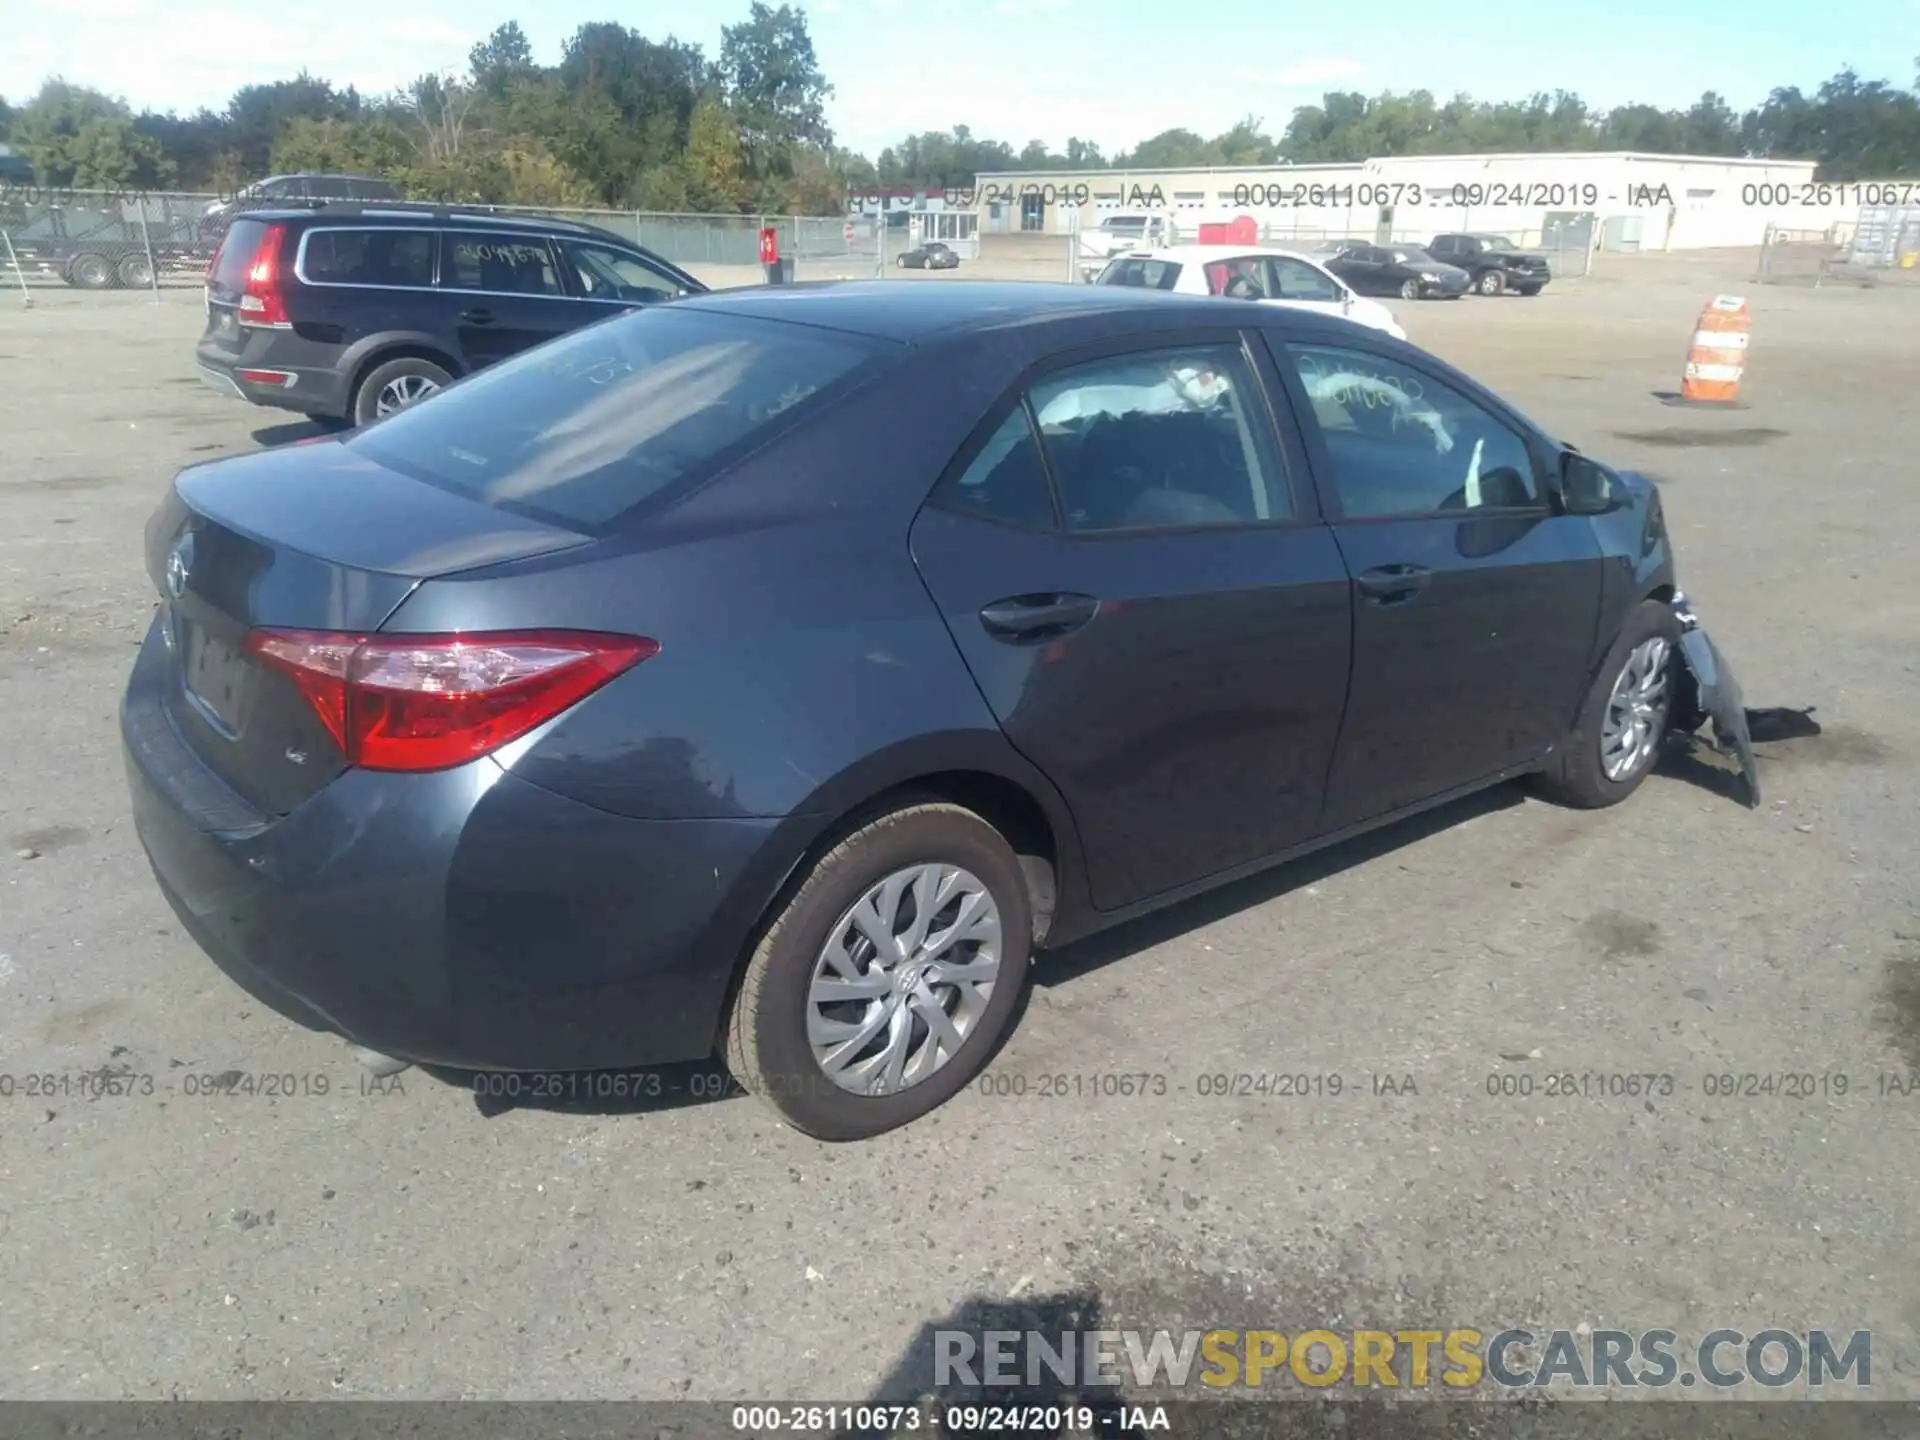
215,674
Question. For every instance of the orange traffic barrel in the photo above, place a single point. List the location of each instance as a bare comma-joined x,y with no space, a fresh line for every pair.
1717,359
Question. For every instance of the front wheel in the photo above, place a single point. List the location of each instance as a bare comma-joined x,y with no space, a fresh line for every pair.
886,980
1625,717
1529,289
1410,290
1491,283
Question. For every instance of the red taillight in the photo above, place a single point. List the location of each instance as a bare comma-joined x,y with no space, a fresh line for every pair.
429,702
261,304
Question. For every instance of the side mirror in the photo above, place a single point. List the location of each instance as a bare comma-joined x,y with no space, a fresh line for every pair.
1585,486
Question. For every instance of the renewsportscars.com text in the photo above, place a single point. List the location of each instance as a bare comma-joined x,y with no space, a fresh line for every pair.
1458,1358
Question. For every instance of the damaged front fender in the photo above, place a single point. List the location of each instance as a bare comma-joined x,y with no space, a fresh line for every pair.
1710,693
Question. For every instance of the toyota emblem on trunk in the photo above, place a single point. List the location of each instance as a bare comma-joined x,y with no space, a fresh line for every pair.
178,563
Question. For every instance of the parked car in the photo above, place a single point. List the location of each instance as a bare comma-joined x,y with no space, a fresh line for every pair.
296,189
1277,277
1494,262
1403,270
350,312
931,256
777,669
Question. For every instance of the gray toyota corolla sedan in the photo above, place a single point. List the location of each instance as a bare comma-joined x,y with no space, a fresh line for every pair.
773,672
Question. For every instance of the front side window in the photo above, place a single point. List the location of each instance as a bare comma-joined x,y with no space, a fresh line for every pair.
605,273
1401,443
368,257
500,264
1244,278
1296,280
1166,438
584,428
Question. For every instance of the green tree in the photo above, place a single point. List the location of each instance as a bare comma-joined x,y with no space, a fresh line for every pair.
644,94
774,84
502,58
73,136
258,114
716,169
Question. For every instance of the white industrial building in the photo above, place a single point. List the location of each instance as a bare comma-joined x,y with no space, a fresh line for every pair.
1615,201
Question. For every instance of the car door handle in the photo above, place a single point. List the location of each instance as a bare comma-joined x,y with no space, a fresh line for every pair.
1037,617
477,317
1390,584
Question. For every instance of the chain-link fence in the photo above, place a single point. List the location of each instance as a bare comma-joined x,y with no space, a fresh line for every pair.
1881,246
116,240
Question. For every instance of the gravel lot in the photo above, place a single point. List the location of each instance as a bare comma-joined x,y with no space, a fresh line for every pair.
412,1244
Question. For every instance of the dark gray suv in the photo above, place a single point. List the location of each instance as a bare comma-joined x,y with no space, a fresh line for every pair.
350,312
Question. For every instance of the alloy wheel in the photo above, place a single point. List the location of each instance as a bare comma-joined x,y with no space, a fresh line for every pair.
903,979
402,391
1410,290
1636,715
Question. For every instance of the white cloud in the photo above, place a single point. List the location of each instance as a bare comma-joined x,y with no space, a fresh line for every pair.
183,56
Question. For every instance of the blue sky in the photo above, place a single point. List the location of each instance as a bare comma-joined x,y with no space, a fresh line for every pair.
1113,71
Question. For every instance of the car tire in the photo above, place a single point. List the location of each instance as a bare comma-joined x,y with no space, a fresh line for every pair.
1491,282
90,271
1529,289
770,1035
1409,289
135,272
1649,643
390,380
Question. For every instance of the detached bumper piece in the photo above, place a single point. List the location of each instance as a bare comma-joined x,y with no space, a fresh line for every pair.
1716,699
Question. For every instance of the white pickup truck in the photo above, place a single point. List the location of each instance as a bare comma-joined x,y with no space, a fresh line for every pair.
1120,234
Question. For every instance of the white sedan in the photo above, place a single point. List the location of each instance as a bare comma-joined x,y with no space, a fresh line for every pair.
1272,277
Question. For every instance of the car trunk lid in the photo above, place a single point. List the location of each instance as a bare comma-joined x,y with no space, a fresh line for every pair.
311,537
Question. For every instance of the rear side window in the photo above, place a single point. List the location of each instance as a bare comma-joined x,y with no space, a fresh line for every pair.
236,254
1142,274
501,264
373,190
368,257
1006,481
584,428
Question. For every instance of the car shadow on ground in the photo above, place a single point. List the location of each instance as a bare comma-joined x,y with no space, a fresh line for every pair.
642,1090
269,437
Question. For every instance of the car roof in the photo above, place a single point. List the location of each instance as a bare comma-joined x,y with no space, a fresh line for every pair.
890,310
402,212
1197,254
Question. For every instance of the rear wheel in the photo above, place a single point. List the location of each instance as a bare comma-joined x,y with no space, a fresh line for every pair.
1491,283
394,386
1626,715
89,271
888,976
136,272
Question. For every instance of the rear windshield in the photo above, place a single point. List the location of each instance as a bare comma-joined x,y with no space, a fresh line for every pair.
236,254
1142,274
581,430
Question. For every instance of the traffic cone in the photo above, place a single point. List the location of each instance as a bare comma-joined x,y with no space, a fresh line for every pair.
1717,358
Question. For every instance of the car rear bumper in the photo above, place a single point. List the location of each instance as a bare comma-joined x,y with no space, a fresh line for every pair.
466,918
275,368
